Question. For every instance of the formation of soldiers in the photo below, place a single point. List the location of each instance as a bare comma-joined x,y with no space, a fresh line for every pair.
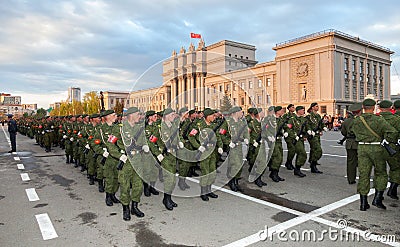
373,142
131,153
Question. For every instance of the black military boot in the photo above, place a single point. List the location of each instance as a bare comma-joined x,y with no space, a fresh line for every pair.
135,210
168,202
236,180
101,185
210,193
314,168
182,184
289,165
76,163
114,199
364,203
83,167
109,201
146,189
392,192
277,174
203,194
274,176
91,179
298,173
152,188
378,200
67,156
259,182
126,214
232,185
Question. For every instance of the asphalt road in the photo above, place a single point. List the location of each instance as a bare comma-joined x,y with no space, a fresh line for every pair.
57,207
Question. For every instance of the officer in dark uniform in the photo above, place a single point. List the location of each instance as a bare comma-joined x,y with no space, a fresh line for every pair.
12,130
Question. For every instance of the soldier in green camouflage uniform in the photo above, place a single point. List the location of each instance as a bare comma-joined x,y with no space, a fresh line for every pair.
297,129
394,161
289,143
314,132
98,147
131,185
90,161
277,153
371,133
396,105
68,129
207,144
351,144
255,135
183,158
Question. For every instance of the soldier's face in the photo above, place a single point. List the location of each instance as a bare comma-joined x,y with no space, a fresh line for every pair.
301,112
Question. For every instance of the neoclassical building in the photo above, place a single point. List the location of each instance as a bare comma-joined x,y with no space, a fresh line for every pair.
329,67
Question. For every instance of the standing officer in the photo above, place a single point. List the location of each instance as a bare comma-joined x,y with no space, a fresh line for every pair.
394,161
296,129
150,170
351,144
371,133
290,146
255,135
315,130
12,129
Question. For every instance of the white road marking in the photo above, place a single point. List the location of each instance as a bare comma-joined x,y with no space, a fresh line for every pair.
14,153
32,195
8,139
329,140
336,146
17,158
46,227
25,177
20,166
331,155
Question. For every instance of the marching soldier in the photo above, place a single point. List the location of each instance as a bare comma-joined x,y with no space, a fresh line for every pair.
351,144
394,161
396,106
255,135
184,164
371,133
296,129
89,146
277,153
315,131
290,146
98,146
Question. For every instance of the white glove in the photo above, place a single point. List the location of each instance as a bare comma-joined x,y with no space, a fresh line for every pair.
271,138
309,132
325,129
255,144
123,158
312,133
180,144
246,141
104,149
52,127
232,145
87,146
285,134
220,150
145,148
105,154
71,139
65,137
398,142
42,132
202,149
160,157
384,142
297,138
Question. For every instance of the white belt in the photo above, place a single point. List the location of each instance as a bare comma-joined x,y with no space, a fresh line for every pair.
369,143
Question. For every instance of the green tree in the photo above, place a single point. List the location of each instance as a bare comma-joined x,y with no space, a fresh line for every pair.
119,107
226,104
41,112
26,115
91,103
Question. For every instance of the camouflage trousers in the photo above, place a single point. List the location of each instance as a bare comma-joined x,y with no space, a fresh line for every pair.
128,177
315,148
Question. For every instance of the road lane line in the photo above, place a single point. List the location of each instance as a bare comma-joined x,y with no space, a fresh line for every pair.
17,158
32,195
25,177
20,166
46,227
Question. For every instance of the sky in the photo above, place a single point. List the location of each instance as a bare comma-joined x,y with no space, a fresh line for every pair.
48,46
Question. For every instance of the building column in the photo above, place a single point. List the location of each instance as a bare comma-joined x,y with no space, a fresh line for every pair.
191,92
173,94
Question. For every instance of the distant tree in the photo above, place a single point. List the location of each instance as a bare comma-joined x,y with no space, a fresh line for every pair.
119,107
91,103
226,104
41,112
77,107
26,115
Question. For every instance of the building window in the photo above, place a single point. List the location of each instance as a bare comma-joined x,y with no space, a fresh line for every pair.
242,85
234,101
346,76
227,87
361,67
323,109
250,84
258,99
127,101
220,88
259,83
268,82
234,87
112,101
353,65
346,64
368,68
242,100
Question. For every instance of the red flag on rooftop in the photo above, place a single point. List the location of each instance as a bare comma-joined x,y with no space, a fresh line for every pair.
195,35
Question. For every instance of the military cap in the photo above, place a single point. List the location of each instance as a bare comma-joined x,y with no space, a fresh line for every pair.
167,111
251,110
277,108
183,110
368,102
96,115
290,105
150,113
160,113
106,112
385,104
235,109
77,116
192,112
258,110
313,104
300,107
131,110
271,108
225,113
208,112
355,107
396,104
